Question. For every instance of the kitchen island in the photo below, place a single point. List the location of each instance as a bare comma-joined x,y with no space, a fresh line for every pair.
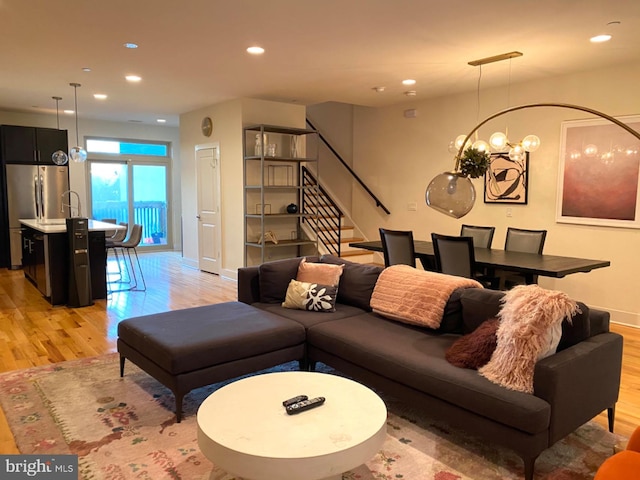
45,257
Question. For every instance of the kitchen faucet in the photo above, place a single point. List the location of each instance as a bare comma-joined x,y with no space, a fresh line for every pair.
79,208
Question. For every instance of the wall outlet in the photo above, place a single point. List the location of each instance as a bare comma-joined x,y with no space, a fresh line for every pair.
509,212
412,207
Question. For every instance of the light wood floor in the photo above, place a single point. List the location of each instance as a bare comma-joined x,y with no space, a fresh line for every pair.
32,332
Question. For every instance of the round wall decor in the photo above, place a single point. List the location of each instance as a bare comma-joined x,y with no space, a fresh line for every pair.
207,126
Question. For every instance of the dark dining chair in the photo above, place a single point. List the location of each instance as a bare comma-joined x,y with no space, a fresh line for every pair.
526,241
456,256
482,236
397,247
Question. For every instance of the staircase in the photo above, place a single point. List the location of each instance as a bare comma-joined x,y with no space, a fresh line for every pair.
334,230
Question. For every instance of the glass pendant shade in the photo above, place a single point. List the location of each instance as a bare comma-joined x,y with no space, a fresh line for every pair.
516,153
59,157
78,154
530,143
451,193
498,141
481,146
459,140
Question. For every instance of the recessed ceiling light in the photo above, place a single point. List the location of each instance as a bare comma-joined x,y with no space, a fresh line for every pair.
255,50
379,89
86,69
411,93
161,120
69,112
133,78
130,45
409,81
100,96
600,38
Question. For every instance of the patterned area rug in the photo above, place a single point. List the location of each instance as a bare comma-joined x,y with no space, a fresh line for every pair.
125,429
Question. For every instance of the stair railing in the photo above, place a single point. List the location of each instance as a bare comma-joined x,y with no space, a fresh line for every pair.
350,170
318,203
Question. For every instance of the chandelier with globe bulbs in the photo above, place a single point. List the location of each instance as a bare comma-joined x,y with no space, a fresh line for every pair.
498,141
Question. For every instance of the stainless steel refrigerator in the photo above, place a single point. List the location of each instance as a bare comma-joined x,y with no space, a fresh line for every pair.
34,191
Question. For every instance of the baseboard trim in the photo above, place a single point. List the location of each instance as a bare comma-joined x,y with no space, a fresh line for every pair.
188,262
630,319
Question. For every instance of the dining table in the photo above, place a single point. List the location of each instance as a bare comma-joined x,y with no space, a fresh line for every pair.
528,264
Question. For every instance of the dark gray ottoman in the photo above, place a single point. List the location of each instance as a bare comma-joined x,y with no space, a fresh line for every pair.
190,348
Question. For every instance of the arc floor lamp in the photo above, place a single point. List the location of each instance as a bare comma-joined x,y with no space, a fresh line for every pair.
453,194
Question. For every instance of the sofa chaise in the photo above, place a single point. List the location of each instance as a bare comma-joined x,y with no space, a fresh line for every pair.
408,362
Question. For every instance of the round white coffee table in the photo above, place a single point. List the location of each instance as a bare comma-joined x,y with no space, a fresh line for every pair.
244,429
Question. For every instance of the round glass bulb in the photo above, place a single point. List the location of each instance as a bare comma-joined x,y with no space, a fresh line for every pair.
451,193
481,146
452,147
516,153
530,143
459,141
78,154
591,150
59,157
498,141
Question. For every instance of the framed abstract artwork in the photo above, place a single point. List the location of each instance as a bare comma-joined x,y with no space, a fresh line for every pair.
506,180
599,171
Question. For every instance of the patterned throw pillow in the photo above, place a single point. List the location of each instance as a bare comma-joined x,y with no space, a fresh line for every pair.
311,296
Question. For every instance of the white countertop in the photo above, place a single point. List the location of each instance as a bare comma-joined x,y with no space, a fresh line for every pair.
59,225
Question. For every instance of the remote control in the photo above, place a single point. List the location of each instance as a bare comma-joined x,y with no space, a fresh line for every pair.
293,400
305,405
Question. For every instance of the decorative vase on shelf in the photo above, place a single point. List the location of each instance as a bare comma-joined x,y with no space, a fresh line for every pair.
292,208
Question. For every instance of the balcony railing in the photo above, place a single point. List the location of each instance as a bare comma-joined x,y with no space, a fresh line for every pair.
151,215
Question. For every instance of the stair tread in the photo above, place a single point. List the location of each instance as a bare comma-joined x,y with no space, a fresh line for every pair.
355,253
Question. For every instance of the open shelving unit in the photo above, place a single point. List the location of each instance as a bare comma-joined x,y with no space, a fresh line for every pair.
273,159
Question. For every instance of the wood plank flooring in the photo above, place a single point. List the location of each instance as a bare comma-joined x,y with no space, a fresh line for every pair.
32,332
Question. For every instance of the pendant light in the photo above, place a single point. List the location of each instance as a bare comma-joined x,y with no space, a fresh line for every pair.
77,153
452,193
59,157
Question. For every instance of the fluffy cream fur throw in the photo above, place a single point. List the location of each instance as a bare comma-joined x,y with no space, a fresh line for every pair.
527,315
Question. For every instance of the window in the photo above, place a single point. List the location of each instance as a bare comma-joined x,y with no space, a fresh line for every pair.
130,182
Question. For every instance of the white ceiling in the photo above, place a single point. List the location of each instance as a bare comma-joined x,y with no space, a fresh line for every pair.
192,52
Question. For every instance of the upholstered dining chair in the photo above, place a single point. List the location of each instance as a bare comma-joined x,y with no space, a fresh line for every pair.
397,247
482,236
522,240
526,241
456,256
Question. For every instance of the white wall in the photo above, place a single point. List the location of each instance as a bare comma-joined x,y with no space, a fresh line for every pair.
78,172
340,136
228,120
397,157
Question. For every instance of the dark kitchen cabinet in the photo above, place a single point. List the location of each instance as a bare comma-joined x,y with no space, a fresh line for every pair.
31,144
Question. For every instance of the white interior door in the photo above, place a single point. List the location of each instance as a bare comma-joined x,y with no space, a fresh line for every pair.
208,173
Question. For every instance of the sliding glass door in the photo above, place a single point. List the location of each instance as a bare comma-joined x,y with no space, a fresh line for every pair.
134,190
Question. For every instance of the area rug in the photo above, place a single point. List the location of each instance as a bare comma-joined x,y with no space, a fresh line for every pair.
124,428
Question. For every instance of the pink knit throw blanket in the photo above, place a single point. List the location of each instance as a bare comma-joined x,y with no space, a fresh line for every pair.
415,296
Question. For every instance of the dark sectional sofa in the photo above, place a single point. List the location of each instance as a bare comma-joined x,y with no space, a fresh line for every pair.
571,387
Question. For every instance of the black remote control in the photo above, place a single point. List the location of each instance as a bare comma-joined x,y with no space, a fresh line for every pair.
305,405
293,400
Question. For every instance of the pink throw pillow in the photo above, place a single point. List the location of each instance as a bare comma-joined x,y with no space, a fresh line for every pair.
321,273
